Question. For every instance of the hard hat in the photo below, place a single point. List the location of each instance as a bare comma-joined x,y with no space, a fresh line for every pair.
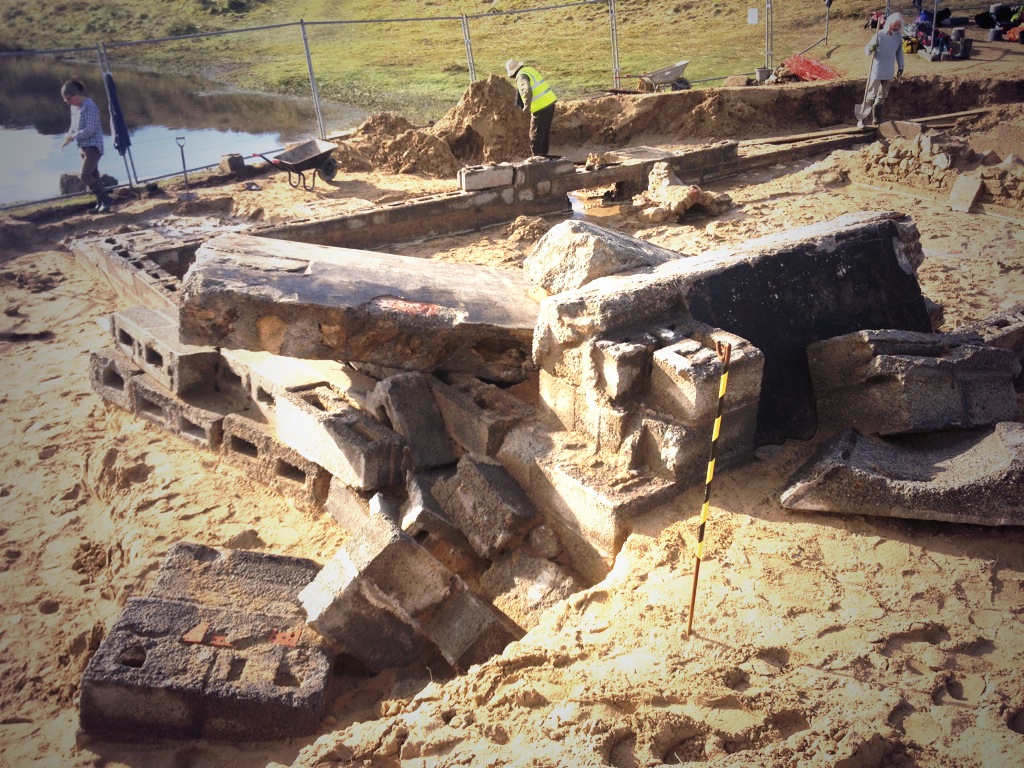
512,66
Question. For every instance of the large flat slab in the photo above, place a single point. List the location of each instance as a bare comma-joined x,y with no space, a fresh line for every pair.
961,477
319,302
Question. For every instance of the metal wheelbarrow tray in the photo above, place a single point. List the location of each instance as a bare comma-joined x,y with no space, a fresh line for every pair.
313,155
670,76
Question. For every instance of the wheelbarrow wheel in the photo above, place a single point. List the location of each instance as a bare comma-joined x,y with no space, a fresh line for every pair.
329,169
682,84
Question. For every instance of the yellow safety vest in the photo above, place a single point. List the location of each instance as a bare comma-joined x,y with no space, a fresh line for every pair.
541,94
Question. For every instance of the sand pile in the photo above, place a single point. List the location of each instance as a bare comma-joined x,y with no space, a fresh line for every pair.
388,142
486,126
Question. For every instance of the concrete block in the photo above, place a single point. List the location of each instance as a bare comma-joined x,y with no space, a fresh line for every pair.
523,587
397,566
237,579
406,402
474,177
200,422
423,518
591,512
488,505
528,175
231,680
320,302
467,630
890,382
353,446
974,477
109,373
150,338
348,506
254,447
259,377
477,415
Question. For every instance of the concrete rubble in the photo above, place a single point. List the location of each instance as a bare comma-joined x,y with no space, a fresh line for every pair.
488,438
892,382
974,477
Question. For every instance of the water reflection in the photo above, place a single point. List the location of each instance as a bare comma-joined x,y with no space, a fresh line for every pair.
214,120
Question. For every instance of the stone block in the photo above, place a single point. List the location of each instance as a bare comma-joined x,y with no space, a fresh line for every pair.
254,447
477,415
523,587
965,191
671,449
232,163
320,302
900,129
150,338
353,446
974,477
488,505
890,382
182,670
407,403
467,630
781,293
624,368
591,511
474,177
238,579
109,373
575,252
1004,330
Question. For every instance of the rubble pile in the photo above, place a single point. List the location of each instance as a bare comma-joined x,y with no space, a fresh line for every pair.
937,162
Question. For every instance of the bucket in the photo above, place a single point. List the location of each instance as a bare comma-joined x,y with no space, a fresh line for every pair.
762,73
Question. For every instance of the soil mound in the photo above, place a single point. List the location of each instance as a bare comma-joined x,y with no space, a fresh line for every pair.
486,126
417,152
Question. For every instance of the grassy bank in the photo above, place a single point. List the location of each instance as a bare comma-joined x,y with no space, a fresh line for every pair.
420,68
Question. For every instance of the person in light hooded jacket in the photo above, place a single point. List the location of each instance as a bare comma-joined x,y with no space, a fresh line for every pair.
887,47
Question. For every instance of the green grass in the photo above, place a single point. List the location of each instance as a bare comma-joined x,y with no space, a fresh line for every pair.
420,69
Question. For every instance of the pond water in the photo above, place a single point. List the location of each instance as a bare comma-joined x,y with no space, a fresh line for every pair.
213,120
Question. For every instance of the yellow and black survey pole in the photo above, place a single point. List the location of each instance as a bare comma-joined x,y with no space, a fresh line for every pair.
724,350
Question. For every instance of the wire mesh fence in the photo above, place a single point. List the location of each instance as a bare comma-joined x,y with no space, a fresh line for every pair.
325,77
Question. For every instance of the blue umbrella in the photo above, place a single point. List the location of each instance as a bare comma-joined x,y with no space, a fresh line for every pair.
118,126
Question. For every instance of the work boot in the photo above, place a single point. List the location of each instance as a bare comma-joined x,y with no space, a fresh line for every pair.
876,114
104,204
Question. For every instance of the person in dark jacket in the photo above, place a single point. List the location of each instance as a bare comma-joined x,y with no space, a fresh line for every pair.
536,97
87,131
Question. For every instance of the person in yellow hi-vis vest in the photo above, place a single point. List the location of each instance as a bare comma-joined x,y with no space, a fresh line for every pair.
535,96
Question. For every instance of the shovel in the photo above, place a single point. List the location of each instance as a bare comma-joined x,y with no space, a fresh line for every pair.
862,111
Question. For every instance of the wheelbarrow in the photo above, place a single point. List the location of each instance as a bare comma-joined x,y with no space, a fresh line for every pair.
659,78
313,155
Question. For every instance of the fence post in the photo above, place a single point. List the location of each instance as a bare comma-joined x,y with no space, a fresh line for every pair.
468,42
312,81
614,24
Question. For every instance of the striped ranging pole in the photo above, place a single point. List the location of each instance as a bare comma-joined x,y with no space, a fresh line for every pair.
724,350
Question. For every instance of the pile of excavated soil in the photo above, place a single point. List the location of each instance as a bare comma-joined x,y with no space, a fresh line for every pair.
486,126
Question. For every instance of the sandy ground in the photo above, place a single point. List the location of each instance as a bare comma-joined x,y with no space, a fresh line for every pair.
818,640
